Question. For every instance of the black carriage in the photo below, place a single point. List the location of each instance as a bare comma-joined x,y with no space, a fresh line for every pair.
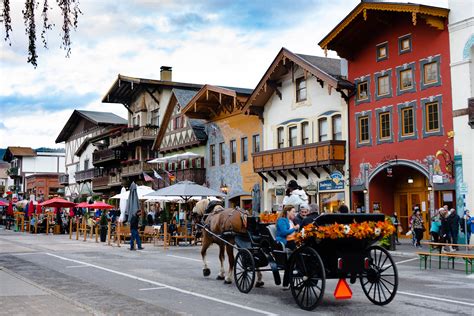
315,260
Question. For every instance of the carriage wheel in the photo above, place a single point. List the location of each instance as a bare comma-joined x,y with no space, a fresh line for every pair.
380,281
244,271
307,278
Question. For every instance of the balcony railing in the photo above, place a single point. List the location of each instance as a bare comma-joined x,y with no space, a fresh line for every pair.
85,175
132,134
115,180
197,175
107,155
13,172
310,155
64,179
100,182
136,168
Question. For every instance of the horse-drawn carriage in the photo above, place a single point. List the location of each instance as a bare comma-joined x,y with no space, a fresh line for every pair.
348,252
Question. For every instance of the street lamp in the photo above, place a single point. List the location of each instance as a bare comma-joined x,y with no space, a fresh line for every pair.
224,188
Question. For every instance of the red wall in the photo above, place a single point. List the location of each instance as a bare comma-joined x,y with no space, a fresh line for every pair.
426,41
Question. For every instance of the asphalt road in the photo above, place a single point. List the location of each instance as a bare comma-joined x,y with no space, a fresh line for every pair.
56,276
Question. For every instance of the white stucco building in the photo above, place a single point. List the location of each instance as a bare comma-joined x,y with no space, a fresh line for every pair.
461,38
301,100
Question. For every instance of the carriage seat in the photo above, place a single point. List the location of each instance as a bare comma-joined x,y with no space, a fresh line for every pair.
272,231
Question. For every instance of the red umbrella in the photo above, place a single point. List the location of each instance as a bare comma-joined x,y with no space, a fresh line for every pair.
38,209
96,205
57,202
3,203
31,209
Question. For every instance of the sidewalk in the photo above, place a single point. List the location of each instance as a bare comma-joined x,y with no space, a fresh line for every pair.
405,249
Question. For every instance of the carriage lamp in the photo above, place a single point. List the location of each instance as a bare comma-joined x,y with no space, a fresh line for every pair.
410,180
224,188
430,188
365,191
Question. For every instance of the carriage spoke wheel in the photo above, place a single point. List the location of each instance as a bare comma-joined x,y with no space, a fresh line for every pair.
244,271
307,278
380,281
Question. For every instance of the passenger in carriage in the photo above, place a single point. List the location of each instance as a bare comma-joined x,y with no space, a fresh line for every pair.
285,229
304,211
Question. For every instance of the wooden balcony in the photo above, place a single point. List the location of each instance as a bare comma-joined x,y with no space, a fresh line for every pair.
133,134
115,180
100,157
305,156
136,168
12,172
197,175
85,175
63,179
100,182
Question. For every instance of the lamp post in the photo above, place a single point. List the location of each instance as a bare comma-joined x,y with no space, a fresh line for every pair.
225,189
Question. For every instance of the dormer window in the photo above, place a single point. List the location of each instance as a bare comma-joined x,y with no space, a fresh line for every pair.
300,89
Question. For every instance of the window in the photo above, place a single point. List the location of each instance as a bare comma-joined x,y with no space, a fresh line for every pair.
432,117
382,51
292,136
364,129
305,133
255,143
244,149
178,120
430,71
212,154
323,129
280,137
383,87
300,89
86,164
406,79
233,151
221,154
336,127
362,91
384,128
408,126
155,117
404,44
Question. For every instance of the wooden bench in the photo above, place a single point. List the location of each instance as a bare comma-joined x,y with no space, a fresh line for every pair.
148,233
182,235
438,246
121,231
468,258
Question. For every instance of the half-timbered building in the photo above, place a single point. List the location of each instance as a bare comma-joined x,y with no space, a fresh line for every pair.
301,101
231,137
76,134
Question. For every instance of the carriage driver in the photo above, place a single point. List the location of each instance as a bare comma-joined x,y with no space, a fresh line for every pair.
285,229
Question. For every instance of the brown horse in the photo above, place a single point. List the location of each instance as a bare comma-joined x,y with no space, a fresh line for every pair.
219,221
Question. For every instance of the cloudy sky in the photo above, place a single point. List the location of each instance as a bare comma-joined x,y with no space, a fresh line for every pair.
225,42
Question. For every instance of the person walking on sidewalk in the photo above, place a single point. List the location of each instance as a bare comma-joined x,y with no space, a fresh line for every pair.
134,231
396,223
418,227
453,222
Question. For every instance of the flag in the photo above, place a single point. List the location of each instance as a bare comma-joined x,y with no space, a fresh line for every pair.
146,177
157,175
170,175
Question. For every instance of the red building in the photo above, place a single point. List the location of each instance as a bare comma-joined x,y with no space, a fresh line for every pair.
400,117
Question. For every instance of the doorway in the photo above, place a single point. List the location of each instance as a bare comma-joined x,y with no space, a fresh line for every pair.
405,202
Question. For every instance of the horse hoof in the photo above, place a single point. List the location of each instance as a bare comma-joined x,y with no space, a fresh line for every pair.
227,282
206,272
259,284
220,278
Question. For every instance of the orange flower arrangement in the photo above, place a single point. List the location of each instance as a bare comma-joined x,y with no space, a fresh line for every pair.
268,218
362,230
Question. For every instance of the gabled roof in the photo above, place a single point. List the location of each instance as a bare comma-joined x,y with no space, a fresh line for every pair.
96,118
326,70
179,97
370,17
18,152
125,88
211,101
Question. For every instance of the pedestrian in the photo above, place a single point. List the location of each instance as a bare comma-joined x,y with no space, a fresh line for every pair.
304,211
454,223
418,227
343,209
466,222
436,226
295,195
396,223
444,233
134,231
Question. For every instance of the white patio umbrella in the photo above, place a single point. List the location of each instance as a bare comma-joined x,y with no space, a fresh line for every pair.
176,157
185,190
142,190
122,205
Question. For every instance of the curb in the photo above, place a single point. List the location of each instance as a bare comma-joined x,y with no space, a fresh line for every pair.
404,254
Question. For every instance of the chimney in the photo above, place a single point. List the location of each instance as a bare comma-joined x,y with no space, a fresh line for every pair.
165,73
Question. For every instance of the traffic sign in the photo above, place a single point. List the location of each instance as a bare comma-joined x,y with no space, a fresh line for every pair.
342,291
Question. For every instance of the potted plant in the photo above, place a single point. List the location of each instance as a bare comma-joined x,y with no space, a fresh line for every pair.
103,223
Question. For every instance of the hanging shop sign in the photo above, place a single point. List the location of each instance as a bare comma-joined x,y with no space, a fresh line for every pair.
335,183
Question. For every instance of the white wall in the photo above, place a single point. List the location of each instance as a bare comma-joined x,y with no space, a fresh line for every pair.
461,32
277,111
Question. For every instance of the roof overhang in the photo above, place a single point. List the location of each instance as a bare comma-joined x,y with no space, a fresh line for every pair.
125,88
360,22
282,65
212,101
